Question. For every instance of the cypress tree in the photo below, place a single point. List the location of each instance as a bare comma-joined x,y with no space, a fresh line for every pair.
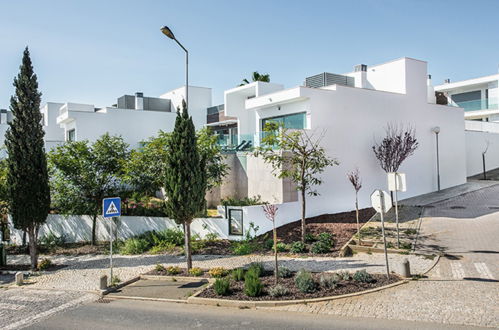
28,182
185,179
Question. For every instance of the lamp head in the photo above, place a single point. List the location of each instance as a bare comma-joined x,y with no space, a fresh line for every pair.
436,129
167,32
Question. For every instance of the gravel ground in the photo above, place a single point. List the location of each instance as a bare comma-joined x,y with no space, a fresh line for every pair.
83,272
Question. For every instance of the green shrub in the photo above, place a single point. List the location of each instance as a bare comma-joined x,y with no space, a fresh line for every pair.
173,270
52,240
160,268
135,246
238,274
304,281
344,275
281,247
252,285
269,244
405,245
278,291
212,237
242,248
326,238
257,268
162,247
298,247
197,245
222,286
310,238
362,276
115,280
320,247
217,272
410,231
44,264
329,281
284,272
170,235
196,271
246,201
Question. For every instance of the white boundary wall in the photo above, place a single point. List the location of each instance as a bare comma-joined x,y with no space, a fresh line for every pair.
476,144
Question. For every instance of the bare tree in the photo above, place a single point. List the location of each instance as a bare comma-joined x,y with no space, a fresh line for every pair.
398,144
354,177
271,212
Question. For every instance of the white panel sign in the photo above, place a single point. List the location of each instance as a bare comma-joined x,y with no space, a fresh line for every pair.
399,178
381,201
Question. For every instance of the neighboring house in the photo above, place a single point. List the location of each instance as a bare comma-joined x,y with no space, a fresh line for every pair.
478,97
351,111
135,117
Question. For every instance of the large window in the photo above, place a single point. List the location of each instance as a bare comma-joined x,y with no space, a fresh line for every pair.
71,135
235,222
293,121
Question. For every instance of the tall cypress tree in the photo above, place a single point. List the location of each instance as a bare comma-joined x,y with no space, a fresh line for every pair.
28,182
185,179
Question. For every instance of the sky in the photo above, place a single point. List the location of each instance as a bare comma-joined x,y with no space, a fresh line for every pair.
93,51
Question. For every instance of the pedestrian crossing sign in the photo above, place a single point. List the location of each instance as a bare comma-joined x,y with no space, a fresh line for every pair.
111,207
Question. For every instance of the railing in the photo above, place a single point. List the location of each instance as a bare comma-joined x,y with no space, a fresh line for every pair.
483,104
240,142
481,126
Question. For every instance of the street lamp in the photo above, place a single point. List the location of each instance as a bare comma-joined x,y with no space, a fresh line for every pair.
167,32
436,130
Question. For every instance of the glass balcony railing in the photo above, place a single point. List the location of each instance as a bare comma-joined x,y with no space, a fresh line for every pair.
240,142
483,104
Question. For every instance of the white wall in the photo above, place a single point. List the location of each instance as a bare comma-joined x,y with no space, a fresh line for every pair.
476,144
199,101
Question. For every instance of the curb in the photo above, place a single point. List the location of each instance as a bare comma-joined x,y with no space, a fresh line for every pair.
274,303
118,286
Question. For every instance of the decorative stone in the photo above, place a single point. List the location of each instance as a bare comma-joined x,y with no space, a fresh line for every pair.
103,282
406,268
19,278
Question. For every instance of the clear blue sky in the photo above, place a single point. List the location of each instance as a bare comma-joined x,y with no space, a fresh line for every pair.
92,51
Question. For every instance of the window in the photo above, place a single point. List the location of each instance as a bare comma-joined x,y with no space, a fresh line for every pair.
71,135
235,222
293,121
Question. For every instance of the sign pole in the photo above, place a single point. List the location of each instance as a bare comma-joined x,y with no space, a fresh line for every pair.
397,211
111,209
382,216
111,249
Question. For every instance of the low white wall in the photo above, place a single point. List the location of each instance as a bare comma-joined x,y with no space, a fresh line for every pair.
476,143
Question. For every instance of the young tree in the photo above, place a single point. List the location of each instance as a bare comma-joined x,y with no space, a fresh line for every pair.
356,181
185,183
83,174
300,158
27,178
271,212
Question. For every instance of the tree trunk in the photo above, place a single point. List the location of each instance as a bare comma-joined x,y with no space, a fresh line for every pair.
33,250
276,269
24,238
357,215
94,223
303,212
187,248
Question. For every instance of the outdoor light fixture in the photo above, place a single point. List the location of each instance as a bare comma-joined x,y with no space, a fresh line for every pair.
436,130
167,32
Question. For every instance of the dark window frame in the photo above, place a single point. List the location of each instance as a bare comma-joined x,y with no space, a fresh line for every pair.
230,222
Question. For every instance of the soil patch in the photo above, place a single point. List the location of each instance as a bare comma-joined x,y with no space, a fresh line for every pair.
343,287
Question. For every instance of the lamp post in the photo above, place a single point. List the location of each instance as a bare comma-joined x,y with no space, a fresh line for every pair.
436,130
167,32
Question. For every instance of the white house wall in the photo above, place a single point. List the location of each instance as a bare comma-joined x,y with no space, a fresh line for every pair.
476,144
199,101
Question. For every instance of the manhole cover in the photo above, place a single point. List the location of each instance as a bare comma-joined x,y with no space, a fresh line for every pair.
103,301
457,207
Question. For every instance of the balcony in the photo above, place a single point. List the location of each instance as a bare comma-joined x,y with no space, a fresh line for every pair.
476,105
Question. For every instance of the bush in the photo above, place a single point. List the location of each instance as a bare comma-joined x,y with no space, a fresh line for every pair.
304,281
238,274
320,247
298,247
281,247
344,275
310,238
246,201
217,272
257,268
160,268
171,235
252,284
269,244
162,247
115,280
329,281
212,237
362,276
278,291
326,238
196,271
242,248
222,286
134,246
52,240
173,270
44,264
284,272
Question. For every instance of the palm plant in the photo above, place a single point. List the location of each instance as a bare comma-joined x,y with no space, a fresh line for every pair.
256,77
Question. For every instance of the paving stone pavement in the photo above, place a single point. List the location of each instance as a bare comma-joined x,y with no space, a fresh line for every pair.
83,272
20,307
463,288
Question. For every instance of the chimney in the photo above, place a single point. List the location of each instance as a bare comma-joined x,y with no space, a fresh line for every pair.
3,116
361,75
139,101
447,81
430,91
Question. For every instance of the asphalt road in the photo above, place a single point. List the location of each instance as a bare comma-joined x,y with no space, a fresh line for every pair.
130,314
